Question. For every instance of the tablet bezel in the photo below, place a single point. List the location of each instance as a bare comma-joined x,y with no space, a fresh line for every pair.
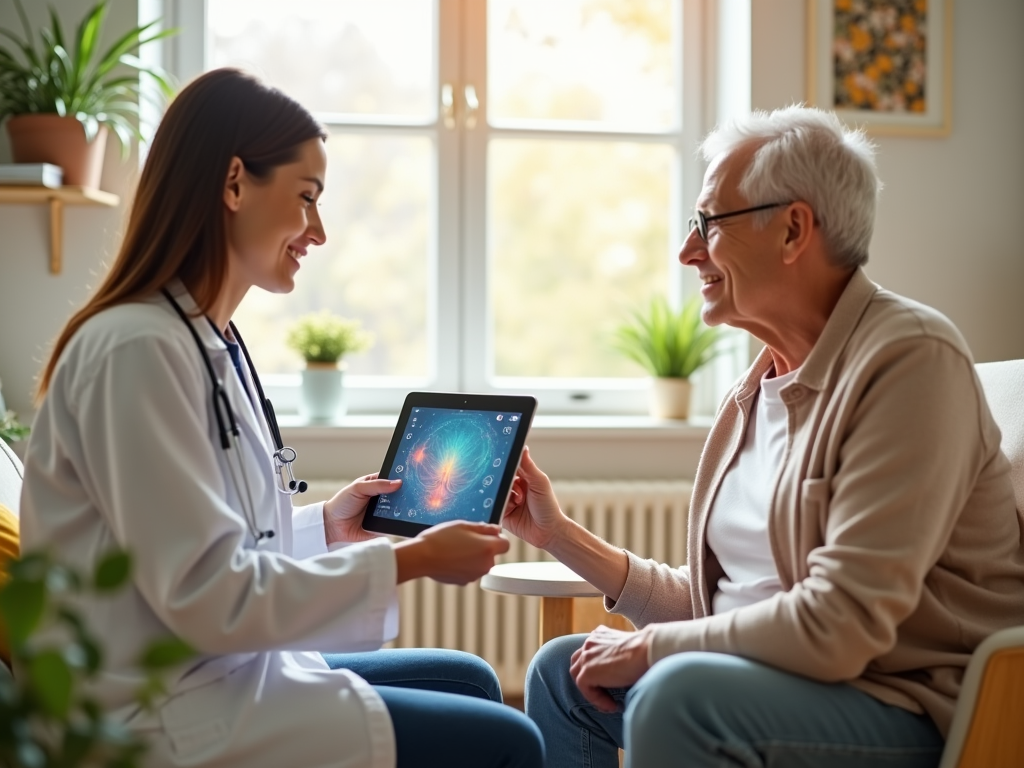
524,404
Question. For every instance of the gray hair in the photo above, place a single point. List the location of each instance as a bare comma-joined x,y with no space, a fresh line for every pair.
808,154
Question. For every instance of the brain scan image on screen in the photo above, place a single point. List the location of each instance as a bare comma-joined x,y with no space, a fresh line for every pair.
450,464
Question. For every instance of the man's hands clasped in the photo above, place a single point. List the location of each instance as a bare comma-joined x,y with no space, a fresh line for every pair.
610,658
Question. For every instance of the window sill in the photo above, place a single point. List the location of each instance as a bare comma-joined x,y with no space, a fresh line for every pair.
566,447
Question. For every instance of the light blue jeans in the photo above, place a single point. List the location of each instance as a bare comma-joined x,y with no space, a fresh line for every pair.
708,709
446,709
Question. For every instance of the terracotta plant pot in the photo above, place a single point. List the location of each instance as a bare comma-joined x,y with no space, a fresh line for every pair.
670,398
60,141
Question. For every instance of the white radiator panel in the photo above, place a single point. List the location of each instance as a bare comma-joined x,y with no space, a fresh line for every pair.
646,517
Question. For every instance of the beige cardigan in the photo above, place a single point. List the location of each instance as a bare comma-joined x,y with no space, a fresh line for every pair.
893,522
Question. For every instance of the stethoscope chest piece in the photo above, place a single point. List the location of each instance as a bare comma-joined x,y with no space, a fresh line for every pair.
283,459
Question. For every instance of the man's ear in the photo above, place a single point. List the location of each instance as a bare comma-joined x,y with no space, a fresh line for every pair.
233,184
799,220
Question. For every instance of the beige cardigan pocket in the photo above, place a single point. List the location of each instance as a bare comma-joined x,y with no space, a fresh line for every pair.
814,498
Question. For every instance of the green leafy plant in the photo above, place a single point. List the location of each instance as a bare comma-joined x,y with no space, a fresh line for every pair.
12,430
667,343
47,719
321,337
72,78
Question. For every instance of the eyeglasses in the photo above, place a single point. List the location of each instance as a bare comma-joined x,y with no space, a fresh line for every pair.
700,221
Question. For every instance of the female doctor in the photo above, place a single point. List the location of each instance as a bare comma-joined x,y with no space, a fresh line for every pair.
153,436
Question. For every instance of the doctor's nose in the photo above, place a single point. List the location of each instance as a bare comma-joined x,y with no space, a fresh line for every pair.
315,231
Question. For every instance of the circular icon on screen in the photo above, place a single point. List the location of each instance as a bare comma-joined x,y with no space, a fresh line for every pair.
497,463
488,480
397,512
412,513
409,436
488,503
399,469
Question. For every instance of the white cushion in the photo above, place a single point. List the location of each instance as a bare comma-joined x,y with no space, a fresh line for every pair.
10,478
1004,389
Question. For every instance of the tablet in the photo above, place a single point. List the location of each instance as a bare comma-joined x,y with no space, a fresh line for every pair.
456,456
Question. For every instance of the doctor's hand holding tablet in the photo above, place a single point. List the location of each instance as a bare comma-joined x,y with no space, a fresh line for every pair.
456,552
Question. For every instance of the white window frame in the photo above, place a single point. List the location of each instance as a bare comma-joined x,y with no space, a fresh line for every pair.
457,297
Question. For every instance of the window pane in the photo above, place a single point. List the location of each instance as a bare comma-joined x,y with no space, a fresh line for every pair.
605,61
349,56
579,236
376,210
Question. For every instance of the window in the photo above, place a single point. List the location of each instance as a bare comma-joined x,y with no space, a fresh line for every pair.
506,180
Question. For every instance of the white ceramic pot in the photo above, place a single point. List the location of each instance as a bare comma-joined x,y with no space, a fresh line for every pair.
670,398
322,392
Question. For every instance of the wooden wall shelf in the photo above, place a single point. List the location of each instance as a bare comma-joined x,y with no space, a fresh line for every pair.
57,199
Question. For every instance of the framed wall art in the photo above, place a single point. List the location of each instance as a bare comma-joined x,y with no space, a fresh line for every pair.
882,64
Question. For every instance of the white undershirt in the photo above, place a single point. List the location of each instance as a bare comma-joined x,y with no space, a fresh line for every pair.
737,529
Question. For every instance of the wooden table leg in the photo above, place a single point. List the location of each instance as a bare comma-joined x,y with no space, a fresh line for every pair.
555,617
588,613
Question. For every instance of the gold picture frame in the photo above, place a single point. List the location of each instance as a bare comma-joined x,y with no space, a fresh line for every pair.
884,65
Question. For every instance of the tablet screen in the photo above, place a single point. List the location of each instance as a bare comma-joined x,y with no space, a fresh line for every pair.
450,462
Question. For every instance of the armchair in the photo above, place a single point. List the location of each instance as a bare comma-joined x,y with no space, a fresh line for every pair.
986,730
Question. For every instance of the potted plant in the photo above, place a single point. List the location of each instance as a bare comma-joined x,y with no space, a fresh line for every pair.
62,95
11,430
671,346
322,339
47,716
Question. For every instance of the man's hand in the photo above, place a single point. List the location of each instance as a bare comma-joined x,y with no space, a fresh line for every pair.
343,514
609,658
532,512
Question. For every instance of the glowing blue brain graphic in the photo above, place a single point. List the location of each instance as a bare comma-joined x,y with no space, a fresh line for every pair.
453,457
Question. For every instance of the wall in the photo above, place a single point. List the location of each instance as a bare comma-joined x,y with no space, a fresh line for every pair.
34,305
948,229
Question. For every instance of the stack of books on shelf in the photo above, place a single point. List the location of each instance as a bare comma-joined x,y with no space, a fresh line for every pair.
31,175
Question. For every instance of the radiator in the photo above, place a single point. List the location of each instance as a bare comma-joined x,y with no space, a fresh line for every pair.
645,517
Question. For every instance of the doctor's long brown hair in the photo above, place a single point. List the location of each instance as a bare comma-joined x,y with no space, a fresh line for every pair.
176,224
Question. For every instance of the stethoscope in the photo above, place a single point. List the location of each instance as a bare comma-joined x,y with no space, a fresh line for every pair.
227,427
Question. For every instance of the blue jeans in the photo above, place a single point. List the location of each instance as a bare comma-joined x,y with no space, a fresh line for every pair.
709,709
446,709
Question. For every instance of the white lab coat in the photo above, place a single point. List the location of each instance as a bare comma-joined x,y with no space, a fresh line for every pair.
126,453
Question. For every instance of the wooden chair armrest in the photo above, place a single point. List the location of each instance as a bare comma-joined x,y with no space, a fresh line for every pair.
986,730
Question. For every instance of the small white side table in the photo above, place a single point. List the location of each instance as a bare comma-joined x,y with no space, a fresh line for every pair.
561,613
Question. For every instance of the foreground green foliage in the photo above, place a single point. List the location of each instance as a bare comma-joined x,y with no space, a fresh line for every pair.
668,343
47,719
321,337
72,78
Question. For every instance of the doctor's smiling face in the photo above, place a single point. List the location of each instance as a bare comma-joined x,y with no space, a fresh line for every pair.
270,223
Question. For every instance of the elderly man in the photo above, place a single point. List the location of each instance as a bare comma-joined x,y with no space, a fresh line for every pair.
853,533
